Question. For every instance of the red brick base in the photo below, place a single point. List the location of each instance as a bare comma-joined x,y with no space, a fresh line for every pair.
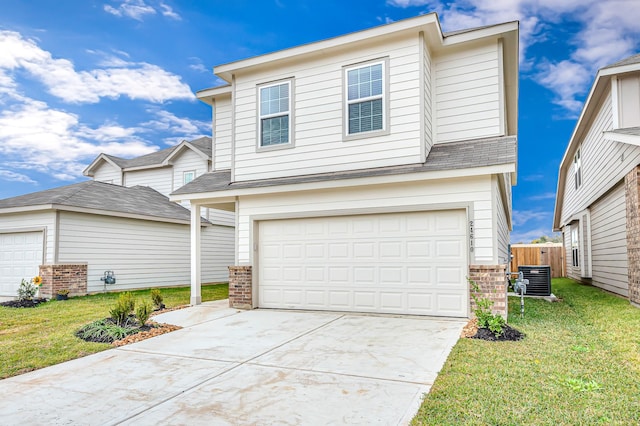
240,287
493,285
632,197
72,277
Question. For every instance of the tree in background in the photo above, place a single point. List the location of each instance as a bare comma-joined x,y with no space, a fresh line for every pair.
555,238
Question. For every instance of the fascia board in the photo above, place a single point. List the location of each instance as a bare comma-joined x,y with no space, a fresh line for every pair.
89,170
623,138
345,183
184,145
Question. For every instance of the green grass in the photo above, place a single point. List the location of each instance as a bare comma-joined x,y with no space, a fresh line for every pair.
578,365
32,338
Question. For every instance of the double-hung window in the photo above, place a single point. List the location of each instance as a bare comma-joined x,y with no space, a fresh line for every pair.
575,246
577,169
275,114
365,98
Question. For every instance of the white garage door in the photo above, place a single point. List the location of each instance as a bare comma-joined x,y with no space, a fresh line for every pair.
20,257
407,263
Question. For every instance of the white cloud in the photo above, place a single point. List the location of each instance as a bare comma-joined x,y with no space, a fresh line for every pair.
520,217
543,196
183,128
34,136
118,78
528,236
168,12
197,65
134,9
607,32
15,177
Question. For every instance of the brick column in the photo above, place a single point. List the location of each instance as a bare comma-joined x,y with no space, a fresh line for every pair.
72,277
240,288
493,285
631,192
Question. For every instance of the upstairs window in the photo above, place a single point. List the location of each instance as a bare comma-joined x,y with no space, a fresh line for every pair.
188,177
365,98
577,169
275,117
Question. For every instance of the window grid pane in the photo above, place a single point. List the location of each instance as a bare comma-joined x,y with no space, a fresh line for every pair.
275,130
365,116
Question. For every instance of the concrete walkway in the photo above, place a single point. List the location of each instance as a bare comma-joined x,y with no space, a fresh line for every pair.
244,367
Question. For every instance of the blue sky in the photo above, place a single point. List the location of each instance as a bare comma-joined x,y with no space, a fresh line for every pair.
82,77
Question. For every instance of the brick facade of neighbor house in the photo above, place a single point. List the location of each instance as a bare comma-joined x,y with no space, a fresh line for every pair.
491,280
632,197
240,289
72,277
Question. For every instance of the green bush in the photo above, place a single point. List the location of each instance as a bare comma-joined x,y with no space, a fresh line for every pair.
156,297
143,311
124,307
486,319
104,331
27,290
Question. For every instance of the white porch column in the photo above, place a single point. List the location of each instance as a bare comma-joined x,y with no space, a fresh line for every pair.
196,295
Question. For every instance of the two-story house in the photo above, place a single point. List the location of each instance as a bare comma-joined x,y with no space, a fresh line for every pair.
121,221
370,172
597,207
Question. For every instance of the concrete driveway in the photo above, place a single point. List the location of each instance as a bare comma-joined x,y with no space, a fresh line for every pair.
245,367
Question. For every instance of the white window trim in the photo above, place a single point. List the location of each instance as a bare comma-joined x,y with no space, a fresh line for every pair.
575,245
291,143
184,176
346,136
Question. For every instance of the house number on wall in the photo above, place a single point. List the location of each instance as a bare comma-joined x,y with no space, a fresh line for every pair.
471,236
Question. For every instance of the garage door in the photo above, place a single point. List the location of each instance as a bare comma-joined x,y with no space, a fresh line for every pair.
20,257
407,263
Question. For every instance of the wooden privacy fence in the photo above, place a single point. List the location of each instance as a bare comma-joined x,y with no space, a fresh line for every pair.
551,254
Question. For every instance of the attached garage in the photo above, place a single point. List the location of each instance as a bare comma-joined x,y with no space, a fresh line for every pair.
21,254
400,263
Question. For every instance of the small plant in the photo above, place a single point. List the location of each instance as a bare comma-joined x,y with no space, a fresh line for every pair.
104,331
124,307
29,289
63,292
157,298
143,311
579,385
486,319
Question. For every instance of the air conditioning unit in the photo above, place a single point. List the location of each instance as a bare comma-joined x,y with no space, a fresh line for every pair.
539,279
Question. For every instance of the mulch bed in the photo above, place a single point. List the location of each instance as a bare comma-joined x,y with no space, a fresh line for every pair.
472,331
31,303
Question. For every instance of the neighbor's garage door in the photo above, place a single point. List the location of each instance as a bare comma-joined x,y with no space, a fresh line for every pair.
20,257
407,263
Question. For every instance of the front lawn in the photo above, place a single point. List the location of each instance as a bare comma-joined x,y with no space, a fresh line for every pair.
32,338
578,364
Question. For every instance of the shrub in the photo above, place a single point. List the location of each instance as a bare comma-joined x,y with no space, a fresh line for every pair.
28,289
104,331
143,311
63,292
124,307
486,319
157,298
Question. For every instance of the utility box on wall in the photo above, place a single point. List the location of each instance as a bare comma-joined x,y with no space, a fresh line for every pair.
539,279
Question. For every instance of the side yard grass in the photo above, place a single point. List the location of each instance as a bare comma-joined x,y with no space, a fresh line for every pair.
579,364
33,338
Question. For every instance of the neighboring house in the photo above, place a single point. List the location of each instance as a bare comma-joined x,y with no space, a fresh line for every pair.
597,206
31,225
73,234
370,172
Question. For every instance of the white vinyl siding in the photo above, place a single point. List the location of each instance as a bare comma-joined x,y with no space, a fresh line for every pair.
319,119
604,163
609,242
502,226
108,173
403,263
475,192
141,253
428,99
159,179
468,94
222,134
629,101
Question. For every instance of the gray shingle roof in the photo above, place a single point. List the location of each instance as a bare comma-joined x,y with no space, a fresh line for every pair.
634,59
137,200
446,156
155,158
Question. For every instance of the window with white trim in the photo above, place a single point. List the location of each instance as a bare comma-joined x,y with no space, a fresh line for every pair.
275,117
188,177
575,246
577,169
365,98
